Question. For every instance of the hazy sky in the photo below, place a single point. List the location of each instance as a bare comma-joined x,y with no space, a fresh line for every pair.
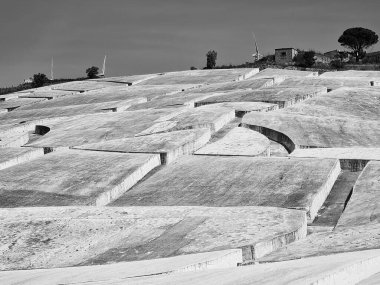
144,36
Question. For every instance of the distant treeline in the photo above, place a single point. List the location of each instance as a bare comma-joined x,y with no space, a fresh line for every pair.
26,86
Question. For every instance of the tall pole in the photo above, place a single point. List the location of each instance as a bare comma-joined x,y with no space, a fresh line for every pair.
104,65
51,70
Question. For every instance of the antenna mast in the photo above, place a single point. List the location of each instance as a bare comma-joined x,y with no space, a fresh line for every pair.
104,65
51,70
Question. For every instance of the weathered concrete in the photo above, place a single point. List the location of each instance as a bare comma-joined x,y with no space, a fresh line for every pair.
140,94
283,97
363,206
353,159
285,73
168,145
202,76
249,84
330,83
242,108
128,79
97,128
13,156
238,142
45,92
73,177
86,85
33,237
352,74
336,201
300,131
373,280
238,181
213,118
346,268
12,104
112,272
32,115
13,140
360,103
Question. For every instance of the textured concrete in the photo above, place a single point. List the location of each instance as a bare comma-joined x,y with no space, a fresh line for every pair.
352,74
353,159
85,85
121,270
373,280
347,268
330,83
45,92
14,140
168,145
202,76
13,156
242,108
238,142
128,79
364,207
213,118
283,97
285,73
300,131
97,128
108,94
73,177
32,115
238,181
12,104
360,103
34,237
249,84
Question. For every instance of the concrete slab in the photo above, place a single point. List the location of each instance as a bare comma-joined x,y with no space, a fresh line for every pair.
13,140
99,127
12,104
346,268
373,280
238,142
99,273
213,118
202,76
353,159
361,103
86,85
31,115
45,92
33,237
283,97
250,84
238,181
73,177
300,131
13,156
352,74
285,73
168,145
330,83
128,79
242,108
363,207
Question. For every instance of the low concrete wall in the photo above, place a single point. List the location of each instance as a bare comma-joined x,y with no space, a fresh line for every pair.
111,195
274,135
28,156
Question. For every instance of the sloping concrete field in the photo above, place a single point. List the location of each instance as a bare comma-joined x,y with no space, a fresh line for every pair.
238,181
238,142
80,235
73,177
283,97
221,176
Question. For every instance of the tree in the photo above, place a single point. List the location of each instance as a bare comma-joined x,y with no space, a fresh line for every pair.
39,80
357,40
92,72
211,59
305,58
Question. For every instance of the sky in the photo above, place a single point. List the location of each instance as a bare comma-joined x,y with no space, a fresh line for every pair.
150,36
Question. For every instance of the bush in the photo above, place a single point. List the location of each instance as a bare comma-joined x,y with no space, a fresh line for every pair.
92,72
39,80
337,64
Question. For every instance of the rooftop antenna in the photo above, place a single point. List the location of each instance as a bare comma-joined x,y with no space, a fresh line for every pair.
257,56
51,70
